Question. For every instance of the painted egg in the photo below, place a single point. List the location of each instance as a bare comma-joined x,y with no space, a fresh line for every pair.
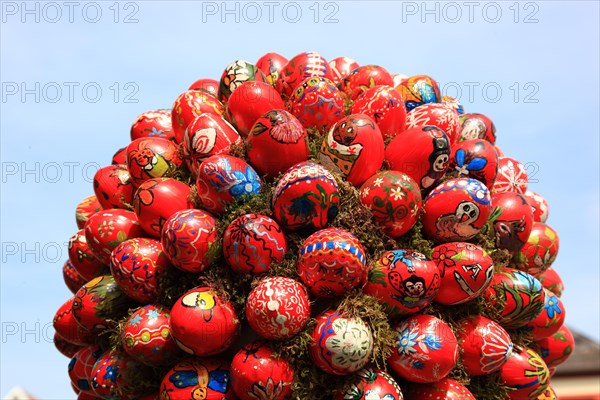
549,393
120,157
385,106
257,373
249,102
156,123
525,375
394,199
475,159
276,142
539,205
405,281
485,345
499,151
85,209
371,384
353,148
421,153
67,328
87,396
114,375
518,295
72,277
203,323
340,345
207,86
271,64
477,126
252,242
64,347
235,75
146,336
435,114
363,78
113,187
189,105
207,135
425,351
456,210
466,270
550,319
305,198
156,200
81,367
278,308
198,378
332,262
341,67
417,90
299,68
224,179
398,78
540,251
316,102
514,220
557,348
136,264
453,103
149,158
445,389
106,229
552,281
82,257
512,176
189,239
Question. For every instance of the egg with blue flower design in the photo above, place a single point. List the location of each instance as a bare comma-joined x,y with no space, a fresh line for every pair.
476,159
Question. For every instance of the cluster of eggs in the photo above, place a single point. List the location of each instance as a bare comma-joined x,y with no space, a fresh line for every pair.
440,167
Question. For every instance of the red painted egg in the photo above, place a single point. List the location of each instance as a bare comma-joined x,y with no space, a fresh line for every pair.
67,327
435,114
466,271
65,348
120,157
340,345
371,384
156,123
306,198
477,126
316,102
257,373
485,345
276,142
550,319
456,210
525,375
340,68
203,323
425,351
189,105
198,378
278,308
81,367
252,242
549,393
453,103
421,153
152,157
540,251
419,89
405,281
446,389
113,187
207,86
271,64
188,239
299,68
249,102
224,179
82,258
106,229
85,209
539,205
114,375
87,396
499,151
332,262
146,336
512,176
353,148
72,277
515,221
557,348
385,106
363,78
475,159
552,281
394,199
235,75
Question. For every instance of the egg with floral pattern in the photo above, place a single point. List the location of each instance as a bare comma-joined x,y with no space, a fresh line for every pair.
513,222
550,319
85,209
235,75
151,157
189,105
155,123
445,389
552,281
454,103
540,251
539,205
81,367
82,258
198,378
556,348
113,186
525,374
67,328
299,68
512,176
435,114
476,159
385,106
419,89
114,376
72,277
316,102
477,126
371,384
271,64
363,78
341,67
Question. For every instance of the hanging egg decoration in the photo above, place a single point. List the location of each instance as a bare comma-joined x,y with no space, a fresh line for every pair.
73,279
556,348
476,159
539,205
155,123
67,328
207,86
435,114
525,374
385,106
81,367
198,378
454,103
540,251
316,102
299,68
271,64
513,226
341,67
477,126
363,78
113,187
151,157
82,258
371,383
235,75
512,176
549,320
552,281
417,90
188,106
85,209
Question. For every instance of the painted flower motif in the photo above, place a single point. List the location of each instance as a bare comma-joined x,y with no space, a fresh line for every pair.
267,391
135,320
105,228
397,193
245,183
443,258
378,182
552,307
407,340
432,342
157,132
152,314
350,345
365,192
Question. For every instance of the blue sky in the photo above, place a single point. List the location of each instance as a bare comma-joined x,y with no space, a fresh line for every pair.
533,67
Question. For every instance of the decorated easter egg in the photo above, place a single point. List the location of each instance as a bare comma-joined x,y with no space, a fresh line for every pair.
548,394
394,199
435,114
64,347
405,281
203,323
476,159
189,239
477,126
189,105
72,277
353,148
363,78
235,75
331,262
81,367
258,373
556,348
278,308
371,383
525,374
276,142
465,269
398,78
67,328
156,200
540,251
114,375
85,209
207,86
300,67
341,67
421,153
456,210
425,349
512,176
445,389
453,103
550,319
419,89
340,344
151,157
552,281
155,123
305,198
82,258
271,64
539,205
385,106
252,242
316,102
515,220
485,345
113,187
198,378
120,157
